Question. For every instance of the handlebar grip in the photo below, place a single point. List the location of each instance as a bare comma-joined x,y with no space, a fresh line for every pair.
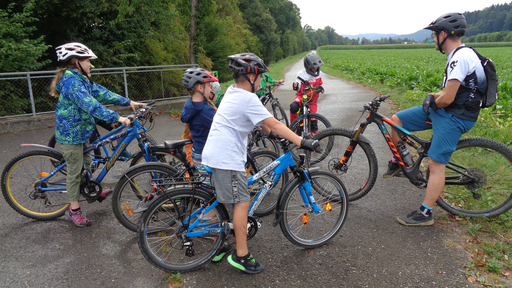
150,103
131,117
303,81
384,97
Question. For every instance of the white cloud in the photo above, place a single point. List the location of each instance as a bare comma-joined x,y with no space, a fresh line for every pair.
378,16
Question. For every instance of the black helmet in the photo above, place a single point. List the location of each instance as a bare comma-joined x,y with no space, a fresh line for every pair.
451,23
246,63
194,75
312,61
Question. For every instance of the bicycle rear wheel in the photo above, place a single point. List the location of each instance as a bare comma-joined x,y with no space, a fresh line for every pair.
308,229
258,160
485,188
162,236
159,154
359,173
21,179
136,188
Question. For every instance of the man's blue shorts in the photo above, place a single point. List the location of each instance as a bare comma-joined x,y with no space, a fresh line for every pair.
447,130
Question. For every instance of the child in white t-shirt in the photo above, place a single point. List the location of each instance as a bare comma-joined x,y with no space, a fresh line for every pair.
225,150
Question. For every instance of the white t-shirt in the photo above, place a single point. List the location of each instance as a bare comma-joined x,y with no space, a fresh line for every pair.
238,113
463,64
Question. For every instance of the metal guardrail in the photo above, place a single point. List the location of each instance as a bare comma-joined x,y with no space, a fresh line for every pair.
27,93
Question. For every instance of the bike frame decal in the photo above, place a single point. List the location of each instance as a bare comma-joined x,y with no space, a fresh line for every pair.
391,144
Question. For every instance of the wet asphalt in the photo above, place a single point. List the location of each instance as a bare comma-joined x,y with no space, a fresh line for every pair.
372,250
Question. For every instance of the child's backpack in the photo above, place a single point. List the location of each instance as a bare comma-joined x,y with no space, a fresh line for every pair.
491,95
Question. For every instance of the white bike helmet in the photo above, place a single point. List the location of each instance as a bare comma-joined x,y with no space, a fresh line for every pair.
215,87
73,49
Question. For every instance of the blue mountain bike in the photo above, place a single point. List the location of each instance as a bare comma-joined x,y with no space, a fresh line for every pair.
183,228
34,182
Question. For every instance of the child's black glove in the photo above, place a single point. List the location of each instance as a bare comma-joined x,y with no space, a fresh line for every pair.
309,144
429,101
273,136
320,89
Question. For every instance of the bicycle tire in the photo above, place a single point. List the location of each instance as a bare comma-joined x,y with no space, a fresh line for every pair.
360,173
296,127
162,154
491,193
22,173
259,140
280,114
133,189
305,228
261,159
160,236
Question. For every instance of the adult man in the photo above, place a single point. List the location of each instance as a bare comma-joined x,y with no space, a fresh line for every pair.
450,113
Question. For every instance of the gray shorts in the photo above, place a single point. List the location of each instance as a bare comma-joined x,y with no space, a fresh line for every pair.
230,186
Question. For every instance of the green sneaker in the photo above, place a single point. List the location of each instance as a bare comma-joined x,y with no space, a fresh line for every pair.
226,248
246,263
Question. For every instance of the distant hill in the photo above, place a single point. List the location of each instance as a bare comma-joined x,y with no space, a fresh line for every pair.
417,36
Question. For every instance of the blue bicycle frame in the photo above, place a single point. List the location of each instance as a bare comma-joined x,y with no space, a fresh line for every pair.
275,169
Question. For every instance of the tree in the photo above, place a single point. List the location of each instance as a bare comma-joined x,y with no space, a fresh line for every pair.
19,51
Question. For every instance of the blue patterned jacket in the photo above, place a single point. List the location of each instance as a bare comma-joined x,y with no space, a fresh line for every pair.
78,105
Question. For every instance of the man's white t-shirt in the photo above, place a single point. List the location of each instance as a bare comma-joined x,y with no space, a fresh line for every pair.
462,64
239,112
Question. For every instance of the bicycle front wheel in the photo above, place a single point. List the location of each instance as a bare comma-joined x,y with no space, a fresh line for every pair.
163,237
257,161
359,173
279,114
22,180
136,188
314,123
302,226
478,179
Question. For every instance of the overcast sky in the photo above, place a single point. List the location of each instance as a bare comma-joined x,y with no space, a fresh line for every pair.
352,17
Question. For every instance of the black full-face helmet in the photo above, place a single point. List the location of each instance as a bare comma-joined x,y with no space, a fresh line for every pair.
246,63
454,24
312,60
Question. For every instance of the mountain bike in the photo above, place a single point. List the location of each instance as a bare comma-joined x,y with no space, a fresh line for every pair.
182,229
162,154
140,184
478,175
307,123
34,182
277,109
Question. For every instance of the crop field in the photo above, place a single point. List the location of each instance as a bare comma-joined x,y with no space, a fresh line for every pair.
410,74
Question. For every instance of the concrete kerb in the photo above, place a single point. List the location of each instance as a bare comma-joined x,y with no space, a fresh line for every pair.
26,123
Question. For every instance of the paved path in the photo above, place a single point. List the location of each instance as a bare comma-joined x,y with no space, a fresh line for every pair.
372,250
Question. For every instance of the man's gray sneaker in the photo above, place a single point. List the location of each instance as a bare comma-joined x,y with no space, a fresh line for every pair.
393,170
416,218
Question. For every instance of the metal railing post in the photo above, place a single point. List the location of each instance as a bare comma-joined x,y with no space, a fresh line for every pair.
125,84
31,96
162,80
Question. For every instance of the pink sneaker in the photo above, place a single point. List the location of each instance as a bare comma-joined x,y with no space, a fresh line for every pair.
78,218
104,194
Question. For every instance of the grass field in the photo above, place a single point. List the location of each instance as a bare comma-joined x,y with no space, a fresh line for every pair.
409,75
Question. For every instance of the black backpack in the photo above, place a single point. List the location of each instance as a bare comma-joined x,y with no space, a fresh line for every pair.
491,95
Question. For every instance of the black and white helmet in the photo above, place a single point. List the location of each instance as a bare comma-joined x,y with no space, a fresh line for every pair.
312,60
192,76
451,23
246,63
73,50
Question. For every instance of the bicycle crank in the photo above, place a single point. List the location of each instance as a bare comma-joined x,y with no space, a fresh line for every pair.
252,227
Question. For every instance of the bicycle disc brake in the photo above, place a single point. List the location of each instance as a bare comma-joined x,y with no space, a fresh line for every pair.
335,166
252,227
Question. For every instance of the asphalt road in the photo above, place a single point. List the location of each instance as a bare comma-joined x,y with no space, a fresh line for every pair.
372,250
